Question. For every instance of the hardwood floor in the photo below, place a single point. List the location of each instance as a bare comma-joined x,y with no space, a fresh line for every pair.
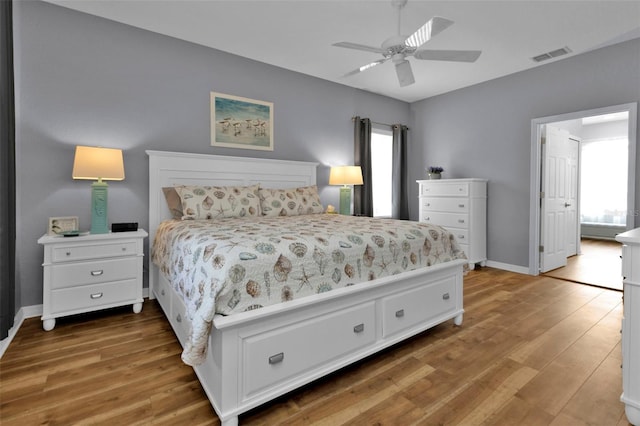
598,264
531,351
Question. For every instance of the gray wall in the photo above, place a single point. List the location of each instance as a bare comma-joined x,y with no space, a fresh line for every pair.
83,80
484,131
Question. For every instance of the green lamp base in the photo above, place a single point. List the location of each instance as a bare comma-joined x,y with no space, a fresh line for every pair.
99,224
345,200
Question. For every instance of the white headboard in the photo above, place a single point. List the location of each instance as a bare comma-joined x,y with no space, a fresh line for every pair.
181,168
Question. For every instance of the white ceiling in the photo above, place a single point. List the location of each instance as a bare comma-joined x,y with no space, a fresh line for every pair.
297,35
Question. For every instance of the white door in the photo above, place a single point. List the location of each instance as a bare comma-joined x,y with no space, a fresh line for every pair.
556,154
573,224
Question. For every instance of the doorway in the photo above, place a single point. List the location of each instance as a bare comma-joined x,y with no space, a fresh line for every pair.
537,128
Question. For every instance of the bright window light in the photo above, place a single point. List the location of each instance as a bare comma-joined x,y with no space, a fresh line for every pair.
381,167
603,196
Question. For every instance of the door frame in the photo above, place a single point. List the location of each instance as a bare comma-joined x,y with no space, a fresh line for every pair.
535,171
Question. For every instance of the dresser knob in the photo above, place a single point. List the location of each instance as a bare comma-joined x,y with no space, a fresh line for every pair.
68,253
461,206
460,220
179,318
461,237
358,328
445,296
400,313
124,249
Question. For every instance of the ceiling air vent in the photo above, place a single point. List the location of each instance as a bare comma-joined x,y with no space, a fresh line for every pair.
551,54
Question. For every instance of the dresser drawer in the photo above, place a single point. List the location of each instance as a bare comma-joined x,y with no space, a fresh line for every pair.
89,297
417,306
74,252
462,235
447,220
273,357
81,273
453,205
466,248
445,189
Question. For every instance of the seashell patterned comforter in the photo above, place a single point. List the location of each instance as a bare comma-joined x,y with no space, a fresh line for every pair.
239,264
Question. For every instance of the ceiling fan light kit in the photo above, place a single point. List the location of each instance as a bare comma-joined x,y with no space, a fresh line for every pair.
399,47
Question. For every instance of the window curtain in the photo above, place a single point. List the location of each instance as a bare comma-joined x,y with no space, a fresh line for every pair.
7,172
363,194
399,200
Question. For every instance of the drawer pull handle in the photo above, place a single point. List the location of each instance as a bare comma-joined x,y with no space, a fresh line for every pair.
124,249
277,358
460,189
460,220
97,273
461,237
461,206
162,292
68,253
96,296
400,313
179,318
358,328
445,296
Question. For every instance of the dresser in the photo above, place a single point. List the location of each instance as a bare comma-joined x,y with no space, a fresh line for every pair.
460,206
631,324
91,272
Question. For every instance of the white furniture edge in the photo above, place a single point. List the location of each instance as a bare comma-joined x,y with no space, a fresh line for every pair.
630,324
221,372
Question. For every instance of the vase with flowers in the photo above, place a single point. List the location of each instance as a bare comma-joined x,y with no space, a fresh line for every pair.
434,172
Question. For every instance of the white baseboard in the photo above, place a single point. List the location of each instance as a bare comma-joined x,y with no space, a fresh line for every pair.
508,267
17,322
32,312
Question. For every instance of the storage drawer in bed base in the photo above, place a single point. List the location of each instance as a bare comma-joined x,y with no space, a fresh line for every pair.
258,358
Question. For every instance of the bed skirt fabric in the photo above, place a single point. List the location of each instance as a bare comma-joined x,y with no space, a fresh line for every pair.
240,264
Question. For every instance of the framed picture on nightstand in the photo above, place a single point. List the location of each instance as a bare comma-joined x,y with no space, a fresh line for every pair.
60,225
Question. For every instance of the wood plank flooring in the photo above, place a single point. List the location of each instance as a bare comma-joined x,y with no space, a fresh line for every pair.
531,351
599,263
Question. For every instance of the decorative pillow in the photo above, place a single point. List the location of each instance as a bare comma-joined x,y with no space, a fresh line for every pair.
290,202
213,202
173,202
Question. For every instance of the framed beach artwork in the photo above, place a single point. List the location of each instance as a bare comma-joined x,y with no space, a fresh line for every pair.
241,123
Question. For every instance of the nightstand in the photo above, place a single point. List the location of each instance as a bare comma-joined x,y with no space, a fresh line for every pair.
91,272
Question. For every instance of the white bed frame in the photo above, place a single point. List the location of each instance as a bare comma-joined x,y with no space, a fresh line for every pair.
256,356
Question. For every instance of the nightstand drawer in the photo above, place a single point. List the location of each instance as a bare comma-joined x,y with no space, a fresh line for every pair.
73,252
102,271
88,297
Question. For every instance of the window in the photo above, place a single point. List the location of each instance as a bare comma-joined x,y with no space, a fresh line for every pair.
603,195
381,168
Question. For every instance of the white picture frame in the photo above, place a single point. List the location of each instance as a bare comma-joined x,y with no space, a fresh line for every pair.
238,122
61,224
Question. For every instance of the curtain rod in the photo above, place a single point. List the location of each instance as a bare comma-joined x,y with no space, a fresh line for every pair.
376,122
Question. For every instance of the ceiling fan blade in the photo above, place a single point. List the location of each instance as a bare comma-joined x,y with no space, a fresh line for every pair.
433,27
405,75
366,67
448,55
357,46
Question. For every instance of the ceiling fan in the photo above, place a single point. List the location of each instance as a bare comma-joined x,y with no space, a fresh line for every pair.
399,47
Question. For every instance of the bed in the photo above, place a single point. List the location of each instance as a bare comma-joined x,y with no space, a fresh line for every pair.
255,355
